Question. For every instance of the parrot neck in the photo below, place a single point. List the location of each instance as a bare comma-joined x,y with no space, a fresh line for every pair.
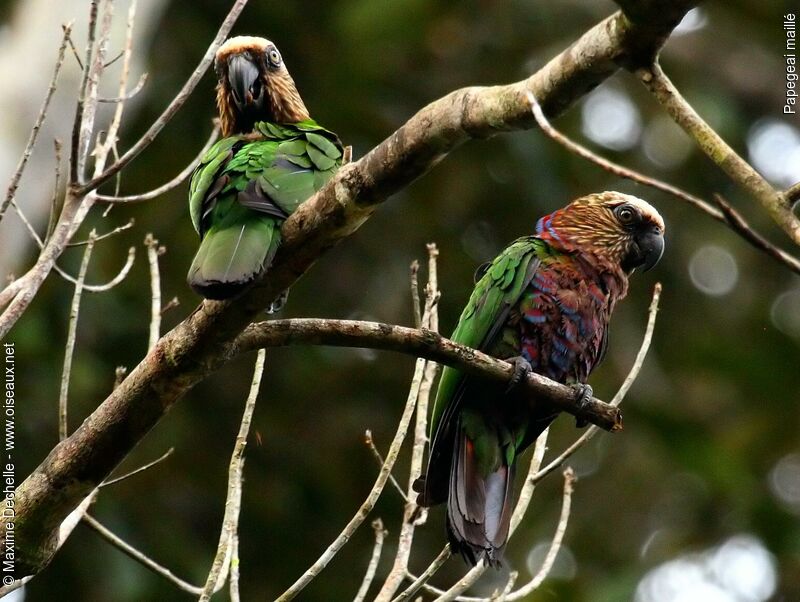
285,106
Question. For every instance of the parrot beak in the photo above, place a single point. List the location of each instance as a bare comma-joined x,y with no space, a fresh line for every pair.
646,249
245,81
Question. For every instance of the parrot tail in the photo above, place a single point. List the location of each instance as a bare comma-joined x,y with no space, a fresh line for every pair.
231,257
478,507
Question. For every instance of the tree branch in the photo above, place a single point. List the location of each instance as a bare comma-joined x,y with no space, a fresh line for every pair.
739,170
203,342
431,346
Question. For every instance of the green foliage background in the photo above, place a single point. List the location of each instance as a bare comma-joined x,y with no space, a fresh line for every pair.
715,408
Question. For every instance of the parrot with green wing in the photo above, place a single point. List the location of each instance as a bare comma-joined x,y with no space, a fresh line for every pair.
271,158
543,304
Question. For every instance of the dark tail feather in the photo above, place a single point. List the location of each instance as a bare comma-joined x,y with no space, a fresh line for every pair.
478,507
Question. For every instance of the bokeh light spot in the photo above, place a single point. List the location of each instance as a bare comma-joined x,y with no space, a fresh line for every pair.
713,270
784,481
740,570
785,313
774,148
564,566
610,119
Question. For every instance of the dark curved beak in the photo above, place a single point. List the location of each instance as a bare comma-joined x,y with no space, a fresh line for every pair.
243,76
646,250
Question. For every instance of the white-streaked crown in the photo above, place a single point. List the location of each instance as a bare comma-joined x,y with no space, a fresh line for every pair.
241,44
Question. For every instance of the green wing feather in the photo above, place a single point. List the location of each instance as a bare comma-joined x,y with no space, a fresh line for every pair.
243,189
499,288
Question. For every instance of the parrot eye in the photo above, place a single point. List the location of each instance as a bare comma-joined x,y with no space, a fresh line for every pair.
626,215
274,57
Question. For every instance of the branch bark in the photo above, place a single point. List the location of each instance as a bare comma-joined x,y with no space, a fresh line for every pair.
205,340
430,345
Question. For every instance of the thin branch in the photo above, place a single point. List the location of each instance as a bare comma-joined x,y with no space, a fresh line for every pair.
380,535
138,556
153,251
233,585
110,141
370,442
419,582
725,214
621,392
173,183
233,502
99,288
615,168
427,344
415,303
173,106
132,473
555,545
369,503
128,95
109,234
37,125
741,172
739,225
71,333
411,513
68,36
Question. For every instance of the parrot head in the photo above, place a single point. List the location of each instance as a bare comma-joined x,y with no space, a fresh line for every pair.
615,229
254,85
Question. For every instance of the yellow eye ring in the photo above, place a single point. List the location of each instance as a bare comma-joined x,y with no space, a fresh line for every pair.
274,57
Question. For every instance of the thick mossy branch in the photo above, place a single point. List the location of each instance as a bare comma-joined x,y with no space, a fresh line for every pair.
204,341
430,345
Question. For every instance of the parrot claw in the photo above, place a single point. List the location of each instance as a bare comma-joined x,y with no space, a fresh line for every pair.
278,303
583,394
522,368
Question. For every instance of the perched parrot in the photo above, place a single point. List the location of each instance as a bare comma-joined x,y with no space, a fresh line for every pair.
544,304
272,157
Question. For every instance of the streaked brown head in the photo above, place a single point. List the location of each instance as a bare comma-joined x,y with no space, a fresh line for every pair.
253,85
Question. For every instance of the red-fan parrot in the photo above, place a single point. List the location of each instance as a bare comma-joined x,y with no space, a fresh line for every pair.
272,157
544,303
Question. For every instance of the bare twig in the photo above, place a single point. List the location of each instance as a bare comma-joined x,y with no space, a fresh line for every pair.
128,95
369,503
174,106
411,512
555,545
71,332
379,458
153,251
725,214
173,183
26,154
415,303
68,35
147,466
380,535
739,225
233,586
109,234
418,582
718,150
99,288
138,556
621,392
233,502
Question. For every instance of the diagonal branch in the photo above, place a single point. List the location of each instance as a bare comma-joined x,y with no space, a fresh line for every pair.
739,170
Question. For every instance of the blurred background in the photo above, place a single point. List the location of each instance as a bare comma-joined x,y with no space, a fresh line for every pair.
699,497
